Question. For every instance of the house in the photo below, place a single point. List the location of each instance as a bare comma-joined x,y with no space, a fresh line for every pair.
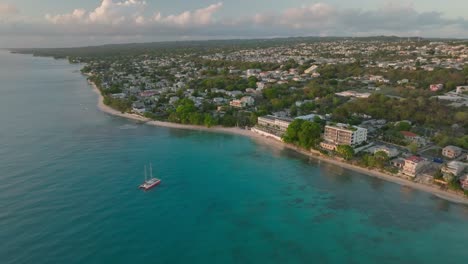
391,152
464,181
234,93
398,162
173,100
252,72
260,86
454,167
248,100
218,100
413,166
138,107
451,152
342,134
236,103
461,89
412,137
436,87
311,69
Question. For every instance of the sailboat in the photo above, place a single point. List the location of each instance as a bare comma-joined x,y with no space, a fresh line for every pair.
151,181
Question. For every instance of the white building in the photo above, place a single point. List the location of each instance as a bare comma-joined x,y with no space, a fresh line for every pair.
454,167
342,134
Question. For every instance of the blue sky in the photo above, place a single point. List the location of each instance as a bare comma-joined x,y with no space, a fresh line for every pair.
55,23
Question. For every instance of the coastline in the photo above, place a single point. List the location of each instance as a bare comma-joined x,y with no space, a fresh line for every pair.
449,196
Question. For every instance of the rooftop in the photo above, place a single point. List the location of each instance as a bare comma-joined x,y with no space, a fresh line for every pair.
414,159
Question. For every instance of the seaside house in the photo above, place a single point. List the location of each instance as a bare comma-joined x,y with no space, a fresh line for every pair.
454,167
451,152
464,181
413,166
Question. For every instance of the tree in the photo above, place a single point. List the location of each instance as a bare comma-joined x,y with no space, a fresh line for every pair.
291,134
403,126
345,151
208,121
309,134
413,147
303,133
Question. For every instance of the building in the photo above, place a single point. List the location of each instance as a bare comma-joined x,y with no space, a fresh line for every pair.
461,89
436,87
412,137
454,167
464,181
248,100
277,122
342,134
391,152
398,162
312,69
413,166
272,126
451,152
236,103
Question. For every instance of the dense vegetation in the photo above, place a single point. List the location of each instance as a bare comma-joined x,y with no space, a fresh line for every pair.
303,133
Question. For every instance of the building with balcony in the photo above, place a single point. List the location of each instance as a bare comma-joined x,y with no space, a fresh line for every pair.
451,152
413,166
342,134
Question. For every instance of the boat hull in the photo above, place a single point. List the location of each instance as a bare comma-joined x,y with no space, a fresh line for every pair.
148,187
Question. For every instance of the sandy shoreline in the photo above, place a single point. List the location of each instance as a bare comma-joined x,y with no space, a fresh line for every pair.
272,142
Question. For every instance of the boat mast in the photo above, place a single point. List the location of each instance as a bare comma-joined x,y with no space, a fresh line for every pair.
151,171
145,172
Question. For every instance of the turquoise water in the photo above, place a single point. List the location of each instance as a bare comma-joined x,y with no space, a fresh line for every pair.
69,177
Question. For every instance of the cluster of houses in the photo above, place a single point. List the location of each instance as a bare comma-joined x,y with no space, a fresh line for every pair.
409,166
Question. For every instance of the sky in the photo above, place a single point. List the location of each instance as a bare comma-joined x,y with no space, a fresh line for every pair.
59,23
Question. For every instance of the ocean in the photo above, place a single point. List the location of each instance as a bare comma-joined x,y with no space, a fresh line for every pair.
69,176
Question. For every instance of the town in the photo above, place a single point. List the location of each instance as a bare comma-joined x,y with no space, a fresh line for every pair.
399,106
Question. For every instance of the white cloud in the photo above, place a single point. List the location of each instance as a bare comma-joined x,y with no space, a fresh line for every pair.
109,12
199,17
132,12
8,9
128,20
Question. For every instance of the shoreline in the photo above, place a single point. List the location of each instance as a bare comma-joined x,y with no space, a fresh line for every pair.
449,196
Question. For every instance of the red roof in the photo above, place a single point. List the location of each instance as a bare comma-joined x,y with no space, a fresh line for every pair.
408,134
415,159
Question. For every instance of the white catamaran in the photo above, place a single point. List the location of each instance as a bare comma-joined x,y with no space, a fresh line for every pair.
151,182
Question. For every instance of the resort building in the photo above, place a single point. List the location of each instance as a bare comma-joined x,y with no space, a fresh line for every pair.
451,152
342,134
272,126
413,166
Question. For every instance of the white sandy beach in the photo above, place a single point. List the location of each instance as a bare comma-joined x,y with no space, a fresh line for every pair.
450,196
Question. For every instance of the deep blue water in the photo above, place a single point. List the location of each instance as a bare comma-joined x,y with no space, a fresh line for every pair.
68,191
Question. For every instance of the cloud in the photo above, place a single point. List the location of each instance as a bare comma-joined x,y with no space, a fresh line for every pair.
8,9
202,16
130,21
132,12
391,18
109,12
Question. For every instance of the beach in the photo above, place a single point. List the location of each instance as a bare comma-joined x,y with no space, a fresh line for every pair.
450,196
